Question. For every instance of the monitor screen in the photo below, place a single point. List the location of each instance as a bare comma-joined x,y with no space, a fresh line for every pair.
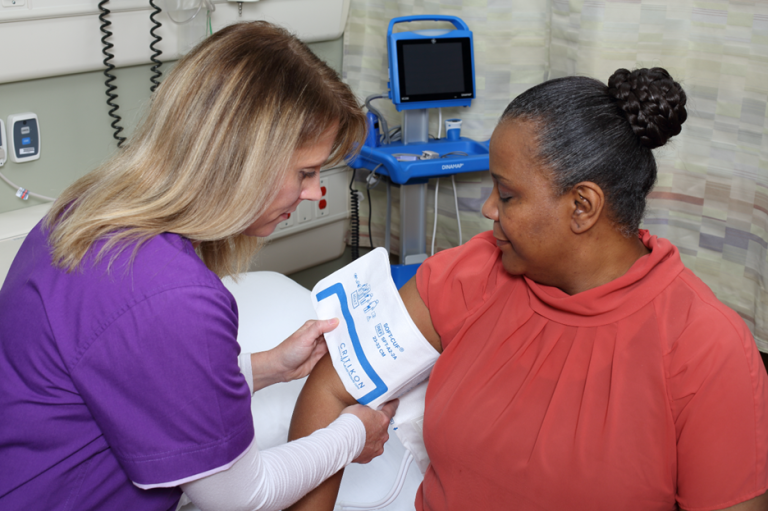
434,69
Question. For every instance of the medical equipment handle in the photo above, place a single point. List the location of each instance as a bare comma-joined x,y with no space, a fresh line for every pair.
457,22
390,163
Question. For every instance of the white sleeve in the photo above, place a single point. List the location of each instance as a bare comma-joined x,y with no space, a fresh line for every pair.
244,361
278,477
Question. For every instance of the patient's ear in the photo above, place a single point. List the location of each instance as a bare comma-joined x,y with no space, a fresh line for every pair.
587,205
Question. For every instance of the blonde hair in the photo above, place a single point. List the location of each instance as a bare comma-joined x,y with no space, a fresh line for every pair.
212,151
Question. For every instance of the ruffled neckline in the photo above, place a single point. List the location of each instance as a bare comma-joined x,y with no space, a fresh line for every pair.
617,299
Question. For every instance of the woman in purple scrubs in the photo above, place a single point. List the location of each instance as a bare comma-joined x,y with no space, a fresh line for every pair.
120,385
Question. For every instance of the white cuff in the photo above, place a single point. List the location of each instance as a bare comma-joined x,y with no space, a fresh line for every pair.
244,361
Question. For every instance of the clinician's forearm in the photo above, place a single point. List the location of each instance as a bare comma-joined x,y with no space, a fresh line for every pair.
259,370
256,370
264,371
321,400
278,477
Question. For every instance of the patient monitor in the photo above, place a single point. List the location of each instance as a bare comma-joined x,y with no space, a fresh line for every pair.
428,69
431,68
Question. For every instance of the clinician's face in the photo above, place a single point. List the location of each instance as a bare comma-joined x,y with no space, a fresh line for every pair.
530,223
302,182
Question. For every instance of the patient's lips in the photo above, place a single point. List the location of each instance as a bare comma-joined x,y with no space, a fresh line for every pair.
501,240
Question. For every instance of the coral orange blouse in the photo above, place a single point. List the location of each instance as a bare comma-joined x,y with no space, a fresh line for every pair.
642,394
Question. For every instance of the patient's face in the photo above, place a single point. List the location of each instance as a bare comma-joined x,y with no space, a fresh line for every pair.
530,223
302,182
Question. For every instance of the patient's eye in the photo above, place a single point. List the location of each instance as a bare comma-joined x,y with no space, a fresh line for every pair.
504,195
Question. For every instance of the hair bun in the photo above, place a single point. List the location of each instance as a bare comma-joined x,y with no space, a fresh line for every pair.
652,101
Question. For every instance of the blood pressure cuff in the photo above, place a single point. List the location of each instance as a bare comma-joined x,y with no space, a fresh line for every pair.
409,424
377,350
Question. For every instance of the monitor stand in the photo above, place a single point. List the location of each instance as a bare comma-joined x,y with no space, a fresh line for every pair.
413,197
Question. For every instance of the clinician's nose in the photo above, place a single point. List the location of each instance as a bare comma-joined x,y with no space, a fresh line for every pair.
311,188
490,208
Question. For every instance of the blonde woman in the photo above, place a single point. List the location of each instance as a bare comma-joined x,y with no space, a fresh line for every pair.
120,380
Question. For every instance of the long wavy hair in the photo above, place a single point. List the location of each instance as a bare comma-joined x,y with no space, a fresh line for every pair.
212,152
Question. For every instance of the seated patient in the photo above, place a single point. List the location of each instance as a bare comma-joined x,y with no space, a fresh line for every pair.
582,365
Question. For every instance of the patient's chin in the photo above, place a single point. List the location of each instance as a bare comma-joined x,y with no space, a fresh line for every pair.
512,264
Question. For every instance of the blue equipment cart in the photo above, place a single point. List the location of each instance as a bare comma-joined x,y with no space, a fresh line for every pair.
427,69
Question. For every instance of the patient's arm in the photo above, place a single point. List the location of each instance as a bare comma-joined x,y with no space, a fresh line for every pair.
324,396
419,313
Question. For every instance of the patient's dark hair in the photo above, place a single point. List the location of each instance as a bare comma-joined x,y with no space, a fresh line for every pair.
587,131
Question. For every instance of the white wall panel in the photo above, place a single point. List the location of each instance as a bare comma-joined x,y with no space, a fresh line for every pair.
44,38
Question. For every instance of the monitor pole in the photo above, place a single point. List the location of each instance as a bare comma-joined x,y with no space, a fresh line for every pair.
413,197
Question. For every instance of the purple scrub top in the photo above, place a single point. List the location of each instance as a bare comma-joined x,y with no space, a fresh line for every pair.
113,377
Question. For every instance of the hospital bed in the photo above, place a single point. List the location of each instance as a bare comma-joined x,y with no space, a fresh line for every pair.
271,307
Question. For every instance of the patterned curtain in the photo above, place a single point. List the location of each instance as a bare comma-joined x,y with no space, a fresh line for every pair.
711,198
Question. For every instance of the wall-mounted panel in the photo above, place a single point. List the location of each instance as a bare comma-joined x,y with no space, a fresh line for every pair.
56,37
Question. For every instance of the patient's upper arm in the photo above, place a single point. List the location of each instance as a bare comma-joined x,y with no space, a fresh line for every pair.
325,386
420,313
324,383
323,397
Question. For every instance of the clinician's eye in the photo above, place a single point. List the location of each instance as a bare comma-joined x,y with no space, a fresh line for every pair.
308,174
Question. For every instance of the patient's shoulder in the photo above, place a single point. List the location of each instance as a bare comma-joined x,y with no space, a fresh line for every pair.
454,282
689,312
478,256
483,243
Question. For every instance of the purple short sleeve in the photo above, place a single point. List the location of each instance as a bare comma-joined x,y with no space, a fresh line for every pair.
116,376
161,384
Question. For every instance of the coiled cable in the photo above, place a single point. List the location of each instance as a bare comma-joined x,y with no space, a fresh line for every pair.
354,219
111,96
156,74
354,205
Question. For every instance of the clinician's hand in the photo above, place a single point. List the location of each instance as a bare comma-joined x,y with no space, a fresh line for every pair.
376,425
293,358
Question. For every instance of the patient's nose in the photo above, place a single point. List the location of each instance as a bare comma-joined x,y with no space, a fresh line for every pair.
490,208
